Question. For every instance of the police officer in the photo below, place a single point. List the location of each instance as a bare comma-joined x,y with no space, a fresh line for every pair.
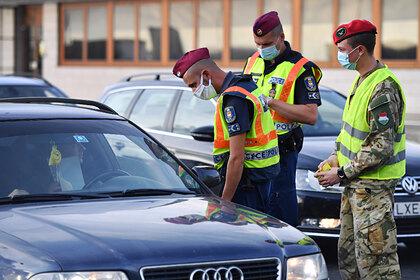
290,82
369,158
245,143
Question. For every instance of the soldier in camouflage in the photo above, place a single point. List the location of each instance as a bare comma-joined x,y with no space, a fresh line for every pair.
367,247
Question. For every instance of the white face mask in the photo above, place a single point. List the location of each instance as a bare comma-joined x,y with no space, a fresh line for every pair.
205,92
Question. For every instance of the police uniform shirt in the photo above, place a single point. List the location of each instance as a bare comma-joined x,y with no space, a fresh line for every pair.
238,113
306,88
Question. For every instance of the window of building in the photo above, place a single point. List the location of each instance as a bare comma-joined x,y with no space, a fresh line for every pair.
73,33
210,25
150,27
181,29
158,32
242,43
97,33
349,10
285,10
400,29
124,32
316,29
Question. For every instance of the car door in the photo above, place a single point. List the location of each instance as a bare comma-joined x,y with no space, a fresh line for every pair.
153,109
191,113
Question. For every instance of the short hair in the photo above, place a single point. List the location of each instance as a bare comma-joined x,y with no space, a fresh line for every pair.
365,39
277,30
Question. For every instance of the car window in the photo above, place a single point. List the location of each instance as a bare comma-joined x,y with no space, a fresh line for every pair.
120,101
192,113
329,115
152,108
85,155
12,91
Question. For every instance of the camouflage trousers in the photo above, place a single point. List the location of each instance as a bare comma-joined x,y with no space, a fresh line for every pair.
367,247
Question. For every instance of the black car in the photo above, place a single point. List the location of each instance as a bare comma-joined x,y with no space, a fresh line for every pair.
165,108
86,194
17,86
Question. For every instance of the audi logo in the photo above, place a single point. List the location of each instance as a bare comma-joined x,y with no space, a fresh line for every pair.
221,273
410,185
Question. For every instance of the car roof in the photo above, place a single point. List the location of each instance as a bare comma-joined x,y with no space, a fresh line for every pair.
155,80
22,81
10,110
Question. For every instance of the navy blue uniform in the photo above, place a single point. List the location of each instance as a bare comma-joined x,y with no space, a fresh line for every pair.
283,199
254,187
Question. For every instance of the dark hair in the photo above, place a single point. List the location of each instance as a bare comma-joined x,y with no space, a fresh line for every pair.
277,30
365,39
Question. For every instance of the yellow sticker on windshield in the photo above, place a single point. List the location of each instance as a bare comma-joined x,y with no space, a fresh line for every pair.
55,156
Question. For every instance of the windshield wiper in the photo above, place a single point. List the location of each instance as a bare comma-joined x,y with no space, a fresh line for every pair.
50,197
146,192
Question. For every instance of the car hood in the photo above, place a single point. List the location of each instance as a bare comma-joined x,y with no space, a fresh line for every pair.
316,149
133,232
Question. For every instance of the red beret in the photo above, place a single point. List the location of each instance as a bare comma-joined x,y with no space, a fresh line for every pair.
352,28
266,23
188,60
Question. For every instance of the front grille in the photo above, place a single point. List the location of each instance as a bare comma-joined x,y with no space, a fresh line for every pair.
263,269
399,190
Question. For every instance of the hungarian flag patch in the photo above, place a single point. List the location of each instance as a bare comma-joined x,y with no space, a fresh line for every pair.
383,118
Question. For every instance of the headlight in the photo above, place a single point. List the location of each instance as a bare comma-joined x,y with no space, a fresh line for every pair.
305,181
97,275
310,267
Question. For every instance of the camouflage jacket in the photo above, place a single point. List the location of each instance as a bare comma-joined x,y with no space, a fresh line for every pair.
378,146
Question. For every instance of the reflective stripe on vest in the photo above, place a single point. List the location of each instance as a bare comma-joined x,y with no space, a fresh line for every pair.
257,155
287,87
260,140
251,63
355,129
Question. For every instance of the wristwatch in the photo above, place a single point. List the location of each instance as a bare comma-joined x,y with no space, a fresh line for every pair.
341,174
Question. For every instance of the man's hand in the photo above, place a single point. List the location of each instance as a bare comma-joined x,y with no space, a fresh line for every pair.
328,178
265,101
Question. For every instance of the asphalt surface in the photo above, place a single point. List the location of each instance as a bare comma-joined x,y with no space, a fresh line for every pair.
408,256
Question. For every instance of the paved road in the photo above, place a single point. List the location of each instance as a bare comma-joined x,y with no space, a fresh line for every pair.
409,260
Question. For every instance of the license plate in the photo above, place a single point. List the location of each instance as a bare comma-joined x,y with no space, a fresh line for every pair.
407,209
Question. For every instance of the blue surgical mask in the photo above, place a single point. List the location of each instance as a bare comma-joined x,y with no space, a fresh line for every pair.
343,59
270,52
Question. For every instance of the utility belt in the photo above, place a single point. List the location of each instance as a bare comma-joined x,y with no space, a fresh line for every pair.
292,141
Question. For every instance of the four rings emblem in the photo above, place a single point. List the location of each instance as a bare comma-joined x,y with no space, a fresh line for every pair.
410,185
221,273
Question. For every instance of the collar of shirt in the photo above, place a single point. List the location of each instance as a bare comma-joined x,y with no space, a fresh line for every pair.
379,65
227,81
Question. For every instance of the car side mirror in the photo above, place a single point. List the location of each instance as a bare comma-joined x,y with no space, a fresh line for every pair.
208,175
203,133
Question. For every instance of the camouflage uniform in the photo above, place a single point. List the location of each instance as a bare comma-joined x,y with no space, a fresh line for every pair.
367,247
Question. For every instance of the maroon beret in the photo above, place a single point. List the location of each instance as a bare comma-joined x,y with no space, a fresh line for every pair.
266,23
188,60
352,28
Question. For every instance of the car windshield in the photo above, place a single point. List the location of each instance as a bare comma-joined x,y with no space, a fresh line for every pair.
329,115
86,156
11,91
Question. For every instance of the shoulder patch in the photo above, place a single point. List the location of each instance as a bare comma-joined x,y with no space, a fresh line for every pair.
234,128
379,101
314,95
230,114
383,118
310,83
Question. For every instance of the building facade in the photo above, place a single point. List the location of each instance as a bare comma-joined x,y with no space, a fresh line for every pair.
82,46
